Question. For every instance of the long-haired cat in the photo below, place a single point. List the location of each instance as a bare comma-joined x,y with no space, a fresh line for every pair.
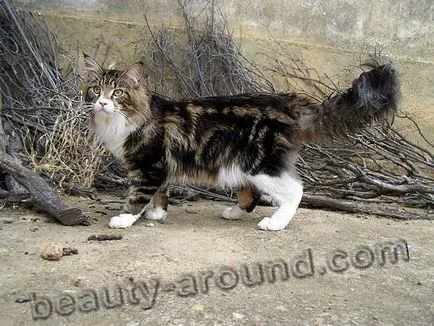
248,142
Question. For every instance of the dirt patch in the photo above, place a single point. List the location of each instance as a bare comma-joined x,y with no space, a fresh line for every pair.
200,269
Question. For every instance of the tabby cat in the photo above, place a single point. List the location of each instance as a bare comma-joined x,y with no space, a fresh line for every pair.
248,142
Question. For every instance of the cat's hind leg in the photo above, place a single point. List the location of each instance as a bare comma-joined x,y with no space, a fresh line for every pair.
248,198
287,191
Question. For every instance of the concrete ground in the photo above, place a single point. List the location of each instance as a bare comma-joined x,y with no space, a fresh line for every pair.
326,268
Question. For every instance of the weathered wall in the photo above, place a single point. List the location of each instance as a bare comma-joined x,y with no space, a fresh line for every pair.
330,34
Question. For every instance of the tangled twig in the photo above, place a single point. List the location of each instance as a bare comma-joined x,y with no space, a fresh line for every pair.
43,113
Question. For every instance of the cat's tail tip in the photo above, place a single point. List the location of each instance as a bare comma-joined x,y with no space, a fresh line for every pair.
373,97
377,92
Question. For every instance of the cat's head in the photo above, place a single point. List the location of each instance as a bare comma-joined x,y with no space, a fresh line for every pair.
113,92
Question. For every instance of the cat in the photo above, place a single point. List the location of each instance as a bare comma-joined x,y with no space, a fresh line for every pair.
247,142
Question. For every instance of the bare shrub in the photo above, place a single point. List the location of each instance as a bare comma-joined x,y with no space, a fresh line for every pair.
43,112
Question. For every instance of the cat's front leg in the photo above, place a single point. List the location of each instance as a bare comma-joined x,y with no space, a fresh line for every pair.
138,197
155,210
138,201
158,205
125,220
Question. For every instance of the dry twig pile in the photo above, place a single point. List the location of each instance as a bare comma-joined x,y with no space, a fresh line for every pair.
42,113
43,124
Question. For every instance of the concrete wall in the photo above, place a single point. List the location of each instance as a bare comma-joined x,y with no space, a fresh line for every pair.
330,34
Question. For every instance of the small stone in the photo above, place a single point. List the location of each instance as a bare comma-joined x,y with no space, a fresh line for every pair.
81,282
8,221
197,307
104,237
24,298
69,251
149,225
52,252
237,315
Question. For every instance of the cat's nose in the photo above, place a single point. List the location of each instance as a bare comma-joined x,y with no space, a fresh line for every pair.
103,103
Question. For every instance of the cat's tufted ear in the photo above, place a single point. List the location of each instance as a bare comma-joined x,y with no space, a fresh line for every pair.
134,73
93,68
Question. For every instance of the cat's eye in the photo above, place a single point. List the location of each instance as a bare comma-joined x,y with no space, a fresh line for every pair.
96,89
118,92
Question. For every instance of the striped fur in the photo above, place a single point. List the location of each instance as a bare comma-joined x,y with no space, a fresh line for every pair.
249,142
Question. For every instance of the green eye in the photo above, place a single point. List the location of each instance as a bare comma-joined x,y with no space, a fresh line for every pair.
118,92
96,89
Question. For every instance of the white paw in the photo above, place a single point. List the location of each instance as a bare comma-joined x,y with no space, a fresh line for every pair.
272,224
156,214
122,221
232,213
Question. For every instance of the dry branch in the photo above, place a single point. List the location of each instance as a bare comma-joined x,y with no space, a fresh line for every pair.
356,207
38,190
42,194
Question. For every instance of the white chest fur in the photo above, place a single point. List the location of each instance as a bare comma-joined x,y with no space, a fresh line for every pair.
112,129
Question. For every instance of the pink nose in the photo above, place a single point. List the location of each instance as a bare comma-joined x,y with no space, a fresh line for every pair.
103,103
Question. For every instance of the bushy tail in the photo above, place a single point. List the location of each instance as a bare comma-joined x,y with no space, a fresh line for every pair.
373,97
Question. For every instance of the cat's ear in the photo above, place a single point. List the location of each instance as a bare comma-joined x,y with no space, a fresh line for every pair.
92,67
134,73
